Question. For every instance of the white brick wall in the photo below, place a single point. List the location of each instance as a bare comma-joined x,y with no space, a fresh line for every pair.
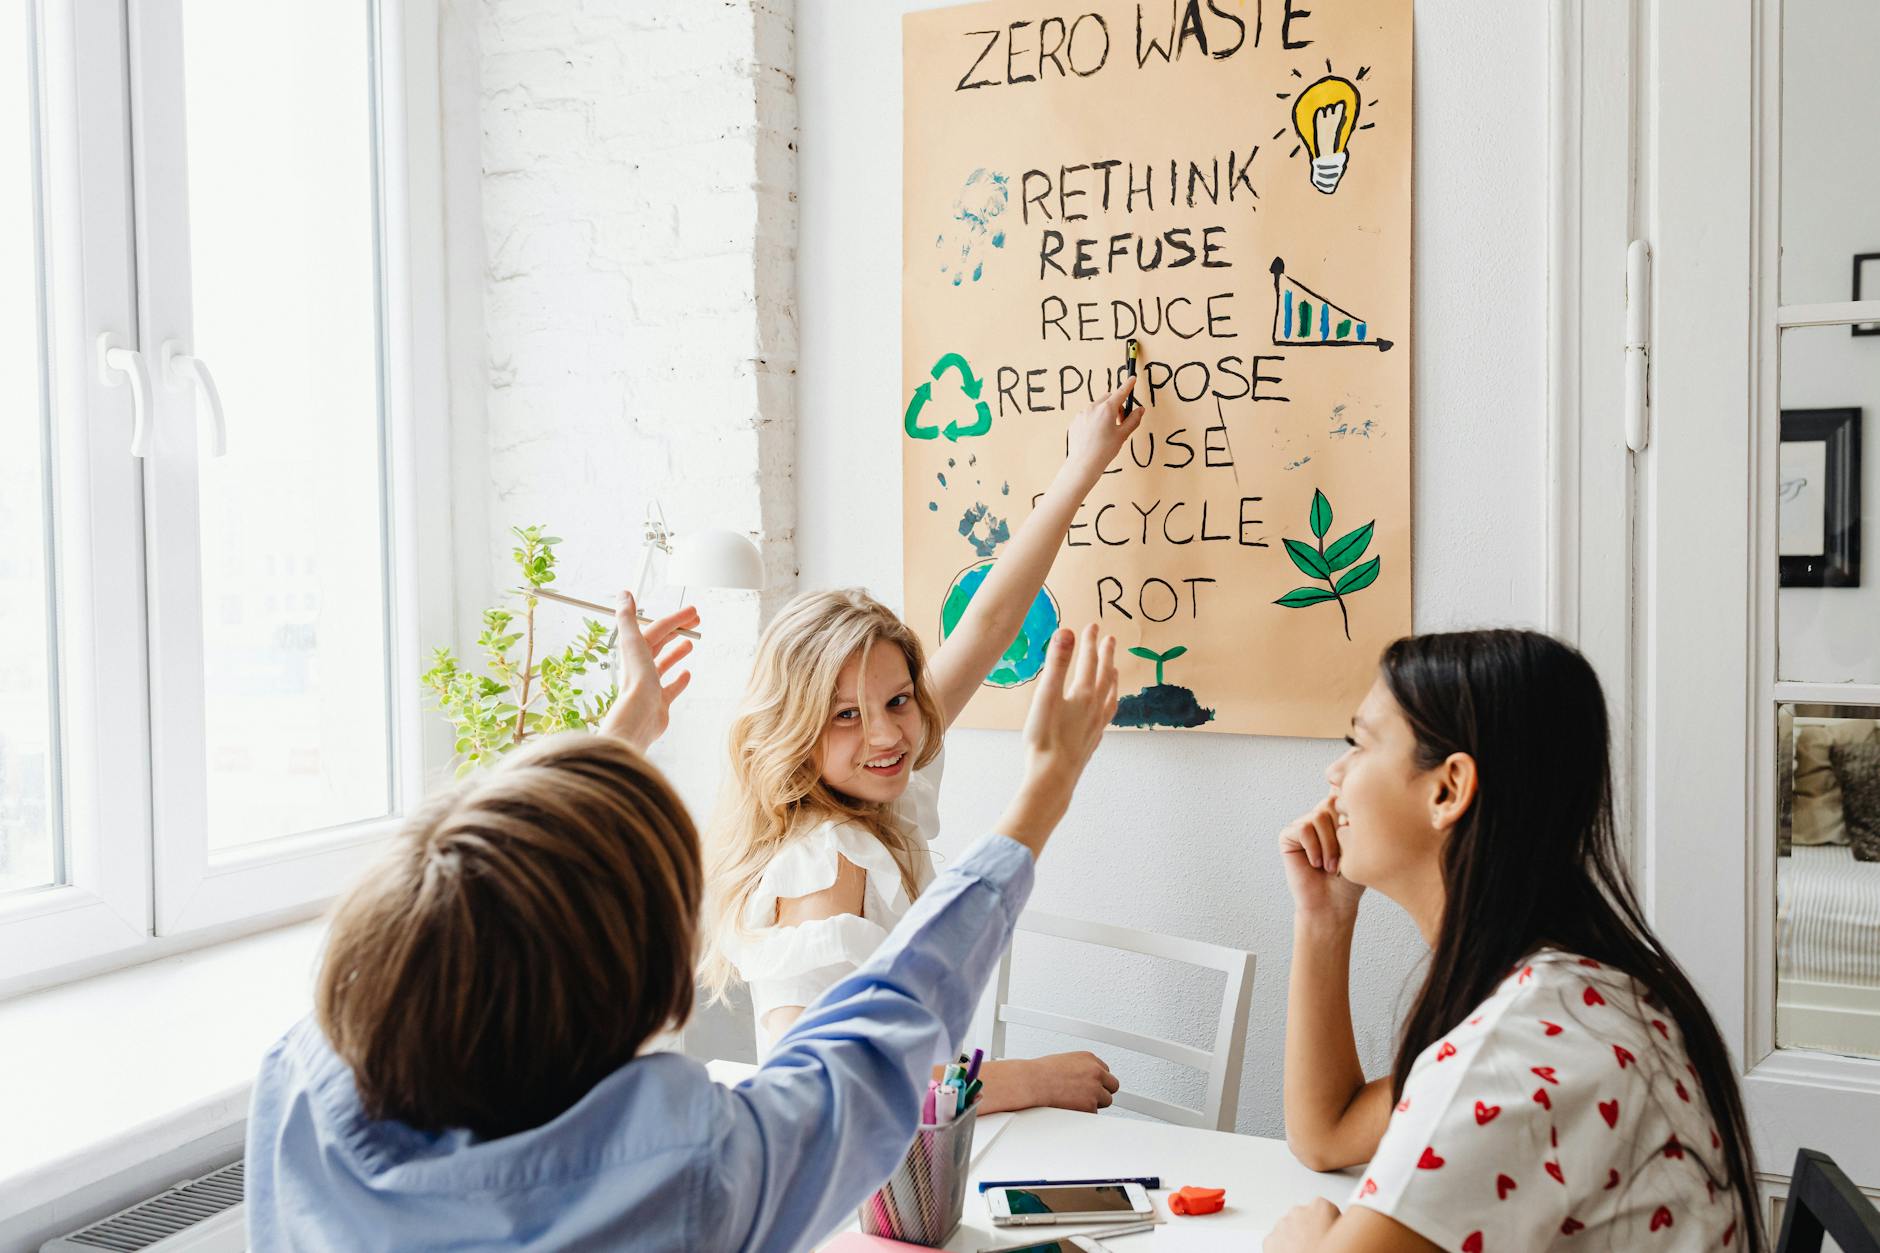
638,228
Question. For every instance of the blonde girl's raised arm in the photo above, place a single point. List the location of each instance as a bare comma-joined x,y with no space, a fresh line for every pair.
998,609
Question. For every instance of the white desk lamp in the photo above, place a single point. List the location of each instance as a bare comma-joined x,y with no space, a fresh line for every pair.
715,558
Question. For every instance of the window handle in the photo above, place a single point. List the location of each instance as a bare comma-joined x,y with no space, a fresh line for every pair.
182,370
116,363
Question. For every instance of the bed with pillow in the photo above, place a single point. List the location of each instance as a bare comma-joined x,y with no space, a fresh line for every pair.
1828,889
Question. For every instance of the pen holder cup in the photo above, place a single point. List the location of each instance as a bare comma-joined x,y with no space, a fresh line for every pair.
922,1201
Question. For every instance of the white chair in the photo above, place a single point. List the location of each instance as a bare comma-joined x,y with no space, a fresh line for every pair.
1221,1065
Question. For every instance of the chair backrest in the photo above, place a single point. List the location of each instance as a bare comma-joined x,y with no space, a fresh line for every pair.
1823,1200
1221,1064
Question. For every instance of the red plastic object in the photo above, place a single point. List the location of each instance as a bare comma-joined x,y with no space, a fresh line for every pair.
1198,1200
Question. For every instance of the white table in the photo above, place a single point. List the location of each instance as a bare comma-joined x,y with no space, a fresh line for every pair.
1262,1178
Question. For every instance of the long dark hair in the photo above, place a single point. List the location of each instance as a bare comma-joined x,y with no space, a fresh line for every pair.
1535,860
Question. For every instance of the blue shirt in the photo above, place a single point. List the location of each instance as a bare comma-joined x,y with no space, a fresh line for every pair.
657,1155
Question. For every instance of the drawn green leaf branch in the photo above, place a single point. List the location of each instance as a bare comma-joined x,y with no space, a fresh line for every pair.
1160,659
1321,562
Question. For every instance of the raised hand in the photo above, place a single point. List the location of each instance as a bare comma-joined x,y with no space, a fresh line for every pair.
1073,703
640,714
1099,433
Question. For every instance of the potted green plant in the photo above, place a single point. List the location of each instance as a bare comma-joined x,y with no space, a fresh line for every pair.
507,700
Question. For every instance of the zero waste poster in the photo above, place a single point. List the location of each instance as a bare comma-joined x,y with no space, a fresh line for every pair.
1228,183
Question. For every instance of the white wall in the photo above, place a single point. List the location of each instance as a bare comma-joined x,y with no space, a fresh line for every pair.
1213,800
632,246
1830,212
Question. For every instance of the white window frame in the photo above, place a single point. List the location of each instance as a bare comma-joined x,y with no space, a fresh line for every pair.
133,894
95,510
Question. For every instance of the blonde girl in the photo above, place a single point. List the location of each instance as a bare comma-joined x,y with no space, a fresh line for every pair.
821,842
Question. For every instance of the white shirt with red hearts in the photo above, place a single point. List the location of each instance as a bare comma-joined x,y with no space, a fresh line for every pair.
1562,1114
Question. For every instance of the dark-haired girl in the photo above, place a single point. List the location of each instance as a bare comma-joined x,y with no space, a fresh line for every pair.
1559,1084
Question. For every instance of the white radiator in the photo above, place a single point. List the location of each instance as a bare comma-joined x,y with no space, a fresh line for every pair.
199,1215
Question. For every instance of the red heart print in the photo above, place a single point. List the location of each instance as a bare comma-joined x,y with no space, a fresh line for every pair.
1445,1051
1624,1055
1710,1188
1485,1114
1553,1168
1541,1098
1429,1160
1662,1030
1609,1110
1473,1244
1527,972
1570,1226
1403,1106
1661,1217
1370,1186
1612,1180
1545,1072
1553,1137
1729,1234
1591,996
1503,1186
1682,1094
1715,1143
1587,961
1673,1148
1553,1028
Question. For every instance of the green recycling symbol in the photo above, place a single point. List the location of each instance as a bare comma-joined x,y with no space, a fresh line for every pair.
982,423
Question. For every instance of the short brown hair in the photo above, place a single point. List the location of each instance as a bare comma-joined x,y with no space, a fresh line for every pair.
532,929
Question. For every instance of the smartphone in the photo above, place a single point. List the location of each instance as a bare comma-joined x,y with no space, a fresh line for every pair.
1070,1203
1069,1244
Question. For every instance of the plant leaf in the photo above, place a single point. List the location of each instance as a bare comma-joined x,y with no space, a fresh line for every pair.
1300,597
1360,578
1321,516
1307,559
1173,653
1147,654
1350,548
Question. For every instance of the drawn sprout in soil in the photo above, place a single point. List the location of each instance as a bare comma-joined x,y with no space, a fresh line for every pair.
1160,704
1324,563
1160,659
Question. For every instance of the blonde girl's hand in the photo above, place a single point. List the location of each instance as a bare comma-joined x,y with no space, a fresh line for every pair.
1074,1081
643,709
1098,434
1309,850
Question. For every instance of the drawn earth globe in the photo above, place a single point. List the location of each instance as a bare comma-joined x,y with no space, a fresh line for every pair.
1025,658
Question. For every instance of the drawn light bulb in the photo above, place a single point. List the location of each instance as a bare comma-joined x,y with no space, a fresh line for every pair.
1325,114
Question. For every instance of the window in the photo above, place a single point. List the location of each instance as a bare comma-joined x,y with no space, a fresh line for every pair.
209,617
30,844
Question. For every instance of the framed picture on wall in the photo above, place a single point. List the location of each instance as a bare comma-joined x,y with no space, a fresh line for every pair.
1818,517
1866,279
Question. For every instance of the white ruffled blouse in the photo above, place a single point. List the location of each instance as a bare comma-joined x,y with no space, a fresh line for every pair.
793,965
